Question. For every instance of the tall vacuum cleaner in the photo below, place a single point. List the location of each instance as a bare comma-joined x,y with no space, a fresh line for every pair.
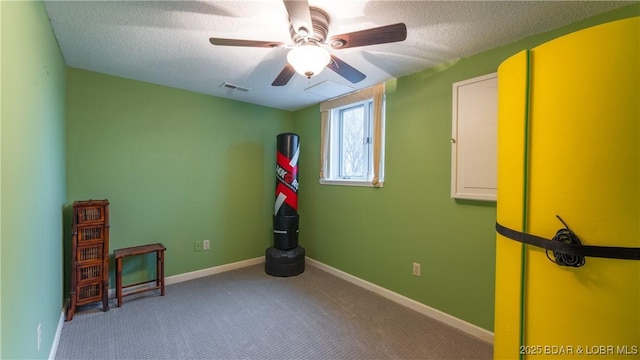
285,257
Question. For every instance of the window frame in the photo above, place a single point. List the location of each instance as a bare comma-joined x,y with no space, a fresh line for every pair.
330,172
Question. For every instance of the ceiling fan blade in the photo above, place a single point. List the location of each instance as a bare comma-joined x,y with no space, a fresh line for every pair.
299,15
345,70
379,35
249,43
285,75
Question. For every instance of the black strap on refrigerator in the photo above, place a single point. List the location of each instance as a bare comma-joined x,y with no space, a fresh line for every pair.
610,252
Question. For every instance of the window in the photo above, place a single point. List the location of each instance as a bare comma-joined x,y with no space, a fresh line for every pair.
351,129
353,139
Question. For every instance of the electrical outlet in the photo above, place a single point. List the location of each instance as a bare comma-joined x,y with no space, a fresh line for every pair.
416,269
39,336
197,246
205,244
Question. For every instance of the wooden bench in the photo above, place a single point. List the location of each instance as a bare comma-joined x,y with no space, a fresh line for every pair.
119,254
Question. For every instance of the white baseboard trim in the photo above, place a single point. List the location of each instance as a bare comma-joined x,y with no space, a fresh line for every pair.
436,314
212,270
56,337
174,279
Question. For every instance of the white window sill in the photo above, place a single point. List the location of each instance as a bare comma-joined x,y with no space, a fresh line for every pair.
362,183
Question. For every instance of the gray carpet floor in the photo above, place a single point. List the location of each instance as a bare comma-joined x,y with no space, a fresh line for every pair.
247,314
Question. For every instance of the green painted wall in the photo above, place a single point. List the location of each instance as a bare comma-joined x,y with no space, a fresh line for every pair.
176,166
32,180
376,234
180,167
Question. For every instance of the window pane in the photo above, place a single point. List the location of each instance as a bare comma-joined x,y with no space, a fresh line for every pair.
353,162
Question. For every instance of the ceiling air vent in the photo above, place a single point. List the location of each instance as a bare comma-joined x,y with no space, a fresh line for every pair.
229,86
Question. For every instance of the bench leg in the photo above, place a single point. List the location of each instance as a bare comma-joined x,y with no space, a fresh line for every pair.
119,281
160,269
105,296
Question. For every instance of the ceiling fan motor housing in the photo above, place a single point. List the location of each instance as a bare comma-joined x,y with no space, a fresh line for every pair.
320,24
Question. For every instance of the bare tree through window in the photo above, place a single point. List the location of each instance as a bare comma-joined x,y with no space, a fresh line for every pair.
353,142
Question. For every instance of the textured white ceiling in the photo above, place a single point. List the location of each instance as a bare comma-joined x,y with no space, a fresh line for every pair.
167,42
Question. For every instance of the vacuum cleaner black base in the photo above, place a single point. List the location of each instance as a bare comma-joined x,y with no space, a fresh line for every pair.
284,262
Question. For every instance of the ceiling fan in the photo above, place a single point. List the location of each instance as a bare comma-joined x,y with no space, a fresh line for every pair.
309,28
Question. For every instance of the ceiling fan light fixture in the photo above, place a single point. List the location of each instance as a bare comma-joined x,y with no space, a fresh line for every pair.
308,60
